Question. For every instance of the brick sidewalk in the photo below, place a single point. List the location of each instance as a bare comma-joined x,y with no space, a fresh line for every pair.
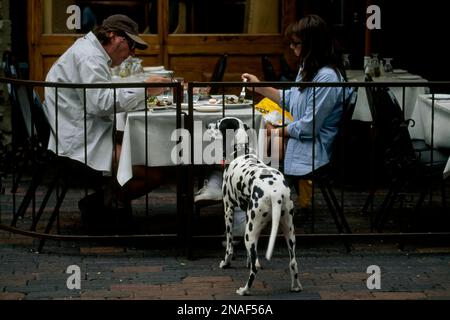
115,272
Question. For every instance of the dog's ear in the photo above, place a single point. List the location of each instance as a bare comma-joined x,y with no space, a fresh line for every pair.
246,127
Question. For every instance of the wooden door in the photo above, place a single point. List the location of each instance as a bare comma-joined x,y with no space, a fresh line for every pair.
191,55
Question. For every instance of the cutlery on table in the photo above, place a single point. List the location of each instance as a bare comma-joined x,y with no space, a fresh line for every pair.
242,95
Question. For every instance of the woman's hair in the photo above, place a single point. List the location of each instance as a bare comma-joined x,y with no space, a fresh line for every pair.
317,46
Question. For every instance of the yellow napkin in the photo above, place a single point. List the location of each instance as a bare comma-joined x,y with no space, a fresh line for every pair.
272,112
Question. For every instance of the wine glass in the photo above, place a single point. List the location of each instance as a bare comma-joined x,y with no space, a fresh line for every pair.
166,97
388,66
346,60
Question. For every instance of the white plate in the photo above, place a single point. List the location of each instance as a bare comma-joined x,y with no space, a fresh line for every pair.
163,108
207,108
409,77
439,96
151,69
399,71
162,73
246,104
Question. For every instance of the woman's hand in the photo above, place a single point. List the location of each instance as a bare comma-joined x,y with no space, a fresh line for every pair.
268,92
156,79
276,131
249,77
274,135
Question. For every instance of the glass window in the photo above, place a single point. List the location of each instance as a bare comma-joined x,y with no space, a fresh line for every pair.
81,16
224,16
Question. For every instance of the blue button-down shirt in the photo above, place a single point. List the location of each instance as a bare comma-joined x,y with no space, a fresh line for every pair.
328,110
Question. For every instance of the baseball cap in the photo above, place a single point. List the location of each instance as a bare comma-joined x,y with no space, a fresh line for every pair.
120,22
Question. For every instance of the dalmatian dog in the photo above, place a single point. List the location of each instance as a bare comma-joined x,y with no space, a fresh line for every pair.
260,191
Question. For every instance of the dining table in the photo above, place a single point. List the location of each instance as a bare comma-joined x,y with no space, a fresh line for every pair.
362,111
151,137
431,115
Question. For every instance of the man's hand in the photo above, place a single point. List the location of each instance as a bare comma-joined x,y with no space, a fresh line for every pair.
156,79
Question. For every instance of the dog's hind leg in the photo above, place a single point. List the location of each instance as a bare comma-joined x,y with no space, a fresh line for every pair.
229,212
251,251
287,226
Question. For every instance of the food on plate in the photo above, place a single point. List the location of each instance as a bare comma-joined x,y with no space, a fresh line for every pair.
163,102
151,101
213,101
232,100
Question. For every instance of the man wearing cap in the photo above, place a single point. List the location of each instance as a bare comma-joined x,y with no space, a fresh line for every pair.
89,60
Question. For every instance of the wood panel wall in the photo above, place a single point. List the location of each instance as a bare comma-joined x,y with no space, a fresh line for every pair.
190,56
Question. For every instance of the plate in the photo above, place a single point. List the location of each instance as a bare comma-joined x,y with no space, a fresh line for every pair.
162,73
399,71
438,96
245,104
161,108
152,69
207,108
409,77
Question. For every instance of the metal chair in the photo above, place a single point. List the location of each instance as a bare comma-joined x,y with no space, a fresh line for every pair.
268,70
324,176
404,162
219,72
286,73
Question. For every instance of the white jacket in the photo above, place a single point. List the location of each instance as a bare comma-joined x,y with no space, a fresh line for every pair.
86,61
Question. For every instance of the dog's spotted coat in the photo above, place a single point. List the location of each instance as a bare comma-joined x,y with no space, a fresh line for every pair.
262,192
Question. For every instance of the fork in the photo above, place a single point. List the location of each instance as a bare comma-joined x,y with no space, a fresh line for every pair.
242,94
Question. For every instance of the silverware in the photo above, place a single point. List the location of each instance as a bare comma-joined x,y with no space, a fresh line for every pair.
242,95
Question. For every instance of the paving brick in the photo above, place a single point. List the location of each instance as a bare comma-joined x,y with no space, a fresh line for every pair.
434,250
218,279
136,288
138,269
350,277
101,250
435,294
105,294
140,272
399,295
332,295
12,296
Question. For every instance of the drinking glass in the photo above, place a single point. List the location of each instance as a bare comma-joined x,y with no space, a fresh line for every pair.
166,97
346,60
388,66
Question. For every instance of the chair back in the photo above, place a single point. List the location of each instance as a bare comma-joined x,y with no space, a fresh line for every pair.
393,148
268,70
19,114
219,72
287,74
341,141
29,119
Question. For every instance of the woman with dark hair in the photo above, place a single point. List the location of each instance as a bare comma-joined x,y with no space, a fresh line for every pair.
312,44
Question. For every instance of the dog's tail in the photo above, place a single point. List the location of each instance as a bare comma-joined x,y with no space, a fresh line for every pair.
276,215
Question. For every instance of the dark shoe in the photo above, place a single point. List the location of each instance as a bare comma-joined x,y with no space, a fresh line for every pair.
92,212
122,220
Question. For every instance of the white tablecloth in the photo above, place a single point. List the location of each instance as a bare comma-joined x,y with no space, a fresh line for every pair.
160,127
362,111
422,115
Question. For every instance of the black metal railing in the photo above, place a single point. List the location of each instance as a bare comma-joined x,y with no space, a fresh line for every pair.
30,151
